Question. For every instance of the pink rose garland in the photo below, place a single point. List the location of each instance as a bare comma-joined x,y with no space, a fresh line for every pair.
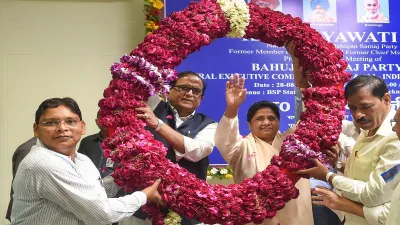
150,66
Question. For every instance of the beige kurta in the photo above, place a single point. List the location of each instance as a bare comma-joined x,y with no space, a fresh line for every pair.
362,182
249,155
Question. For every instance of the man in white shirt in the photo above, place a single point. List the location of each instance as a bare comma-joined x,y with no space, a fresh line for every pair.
365,195
392,178
188,135
56,185
17,158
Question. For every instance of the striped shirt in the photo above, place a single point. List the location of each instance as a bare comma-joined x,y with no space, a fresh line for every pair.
49,188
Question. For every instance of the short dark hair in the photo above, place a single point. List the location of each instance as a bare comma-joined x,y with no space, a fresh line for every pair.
187,73
262,104
54,103
376,84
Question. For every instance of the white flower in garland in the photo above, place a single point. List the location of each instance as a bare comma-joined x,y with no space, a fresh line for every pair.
214,171
172,218
223,171
238,14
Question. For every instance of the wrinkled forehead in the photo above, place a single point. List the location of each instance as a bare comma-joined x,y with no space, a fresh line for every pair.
190,80
371,2
363,101
363,94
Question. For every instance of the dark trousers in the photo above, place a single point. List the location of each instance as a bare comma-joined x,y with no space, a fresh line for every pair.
324,216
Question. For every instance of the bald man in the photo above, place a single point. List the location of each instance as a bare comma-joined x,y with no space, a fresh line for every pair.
372,14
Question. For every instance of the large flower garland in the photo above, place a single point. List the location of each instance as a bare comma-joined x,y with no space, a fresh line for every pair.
150,66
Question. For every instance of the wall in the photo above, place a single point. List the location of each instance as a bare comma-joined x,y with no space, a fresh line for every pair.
57,48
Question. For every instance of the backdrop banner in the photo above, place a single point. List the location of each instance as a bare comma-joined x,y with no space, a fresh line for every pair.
365,30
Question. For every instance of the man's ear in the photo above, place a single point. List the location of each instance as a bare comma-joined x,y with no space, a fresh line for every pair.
83,127
35,130
387,99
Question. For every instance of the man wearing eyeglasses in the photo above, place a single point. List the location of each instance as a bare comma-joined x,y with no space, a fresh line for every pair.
188,135
365,197
56,185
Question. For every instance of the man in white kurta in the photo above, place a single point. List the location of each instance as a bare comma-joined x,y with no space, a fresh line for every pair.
394,215
392,178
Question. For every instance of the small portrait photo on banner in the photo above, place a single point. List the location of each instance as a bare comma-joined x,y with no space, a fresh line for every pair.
373,11
319,11
272,4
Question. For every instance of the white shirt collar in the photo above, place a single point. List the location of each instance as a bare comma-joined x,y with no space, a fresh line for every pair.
176,114
41,145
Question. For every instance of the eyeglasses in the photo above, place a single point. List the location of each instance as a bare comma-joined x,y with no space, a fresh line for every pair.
183,89
393,122
56,123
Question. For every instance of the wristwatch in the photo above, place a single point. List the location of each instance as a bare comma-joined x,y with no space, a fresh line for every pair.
339,165
159,125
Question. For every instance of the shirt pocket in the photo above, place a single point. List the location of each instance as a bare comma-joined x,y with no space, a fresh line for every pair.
362,169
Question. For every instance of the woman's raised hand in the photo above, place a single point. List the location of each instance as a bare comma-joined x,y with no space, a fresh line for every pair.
235,91
235,95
